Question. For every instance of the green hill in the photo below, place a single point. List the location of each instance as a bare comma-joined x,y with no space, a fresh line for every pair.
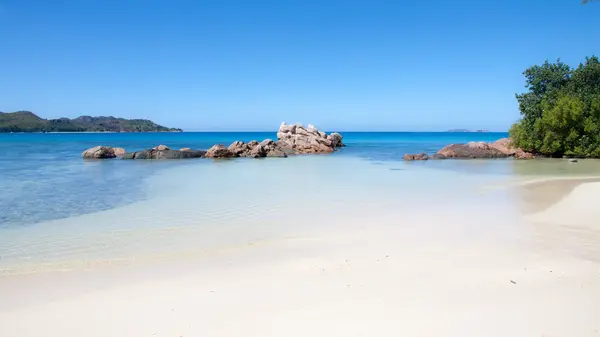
26,121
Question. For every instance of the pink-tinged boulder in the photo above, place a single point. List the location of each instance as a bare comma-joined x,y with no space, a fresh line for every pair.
219,151
99,152
505,146
119,151
185,149
472,150
520,154
161,148
420,156
502,148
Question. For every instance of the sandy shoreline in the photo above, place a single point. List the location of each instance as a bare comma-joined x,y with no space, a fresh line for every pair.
384,273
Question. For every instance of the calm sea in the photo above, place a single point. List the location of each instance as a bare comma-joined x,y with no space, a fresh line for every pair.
43,176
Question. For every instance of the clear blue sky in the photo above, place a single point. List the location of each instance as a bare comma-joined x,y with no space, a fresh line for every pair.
248,65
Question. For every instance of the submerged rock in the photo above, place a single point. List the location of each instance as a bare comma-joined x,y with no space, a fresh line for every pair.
420,156
99,152
164,154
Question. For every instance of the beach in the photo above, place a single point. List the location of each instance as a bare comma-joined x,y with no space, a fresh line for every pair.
405,248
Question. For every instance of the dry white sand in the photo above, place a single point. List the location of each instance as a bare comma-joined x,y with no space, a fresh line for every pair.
385,275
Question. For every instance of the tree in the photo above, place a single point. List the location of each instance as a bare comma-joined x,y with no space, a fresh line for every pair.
560,112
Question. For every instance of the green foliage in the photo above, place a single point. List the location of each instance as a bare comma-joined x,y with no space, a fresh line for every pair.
560,112
25,121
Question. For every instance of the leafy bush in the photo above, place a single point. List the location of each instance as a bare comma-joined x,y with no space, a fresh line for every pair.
560,113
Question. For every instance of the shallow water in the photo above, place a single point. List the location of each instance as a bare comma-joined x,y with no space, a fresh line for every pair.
43,176
60,212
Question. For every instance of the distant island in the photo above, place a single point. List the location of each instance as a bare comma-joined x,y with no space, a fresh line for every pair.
467,130
26,121
458,130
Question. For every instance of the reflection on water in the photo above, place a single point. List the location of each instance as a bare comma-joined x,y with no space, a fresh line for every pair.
556,167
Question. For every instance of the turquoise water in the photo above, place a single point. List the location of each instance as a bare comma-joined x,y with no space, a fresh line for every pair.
44,178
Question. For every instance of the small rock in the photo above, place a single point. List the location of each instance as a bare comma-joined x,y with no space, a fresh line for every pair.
119,151
513,282
573,160
420,156
161,148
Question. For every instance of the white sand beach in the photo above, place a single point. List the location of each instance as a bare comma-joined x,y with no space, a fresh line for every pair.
360,269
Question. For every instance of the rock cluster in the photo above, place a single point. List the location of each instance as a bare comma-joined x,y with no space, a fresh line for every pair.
102,152
307,140
291,139
420,156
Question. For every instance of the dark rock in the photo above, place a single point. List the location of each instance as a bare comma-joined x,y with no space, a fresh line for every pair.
336,139
164,154
175,154
420,156
573,160
145,154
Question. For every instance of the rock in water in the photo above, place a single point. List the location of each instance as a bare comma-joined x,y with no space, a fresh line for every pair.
307,140
336,139
119,151
161,148
239,149
420,156
501,148
572,160
219,151
99,152
470,150
164,154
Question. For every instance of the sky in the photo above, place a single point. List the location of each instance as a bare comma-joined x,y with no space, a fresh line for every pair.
233,65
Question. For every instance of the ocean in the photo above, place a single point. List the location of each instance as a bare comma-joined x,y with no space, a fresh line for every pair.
43,175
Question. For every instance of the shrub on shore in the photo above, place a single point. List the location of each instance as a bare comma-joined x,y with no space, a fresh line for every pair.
560,112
